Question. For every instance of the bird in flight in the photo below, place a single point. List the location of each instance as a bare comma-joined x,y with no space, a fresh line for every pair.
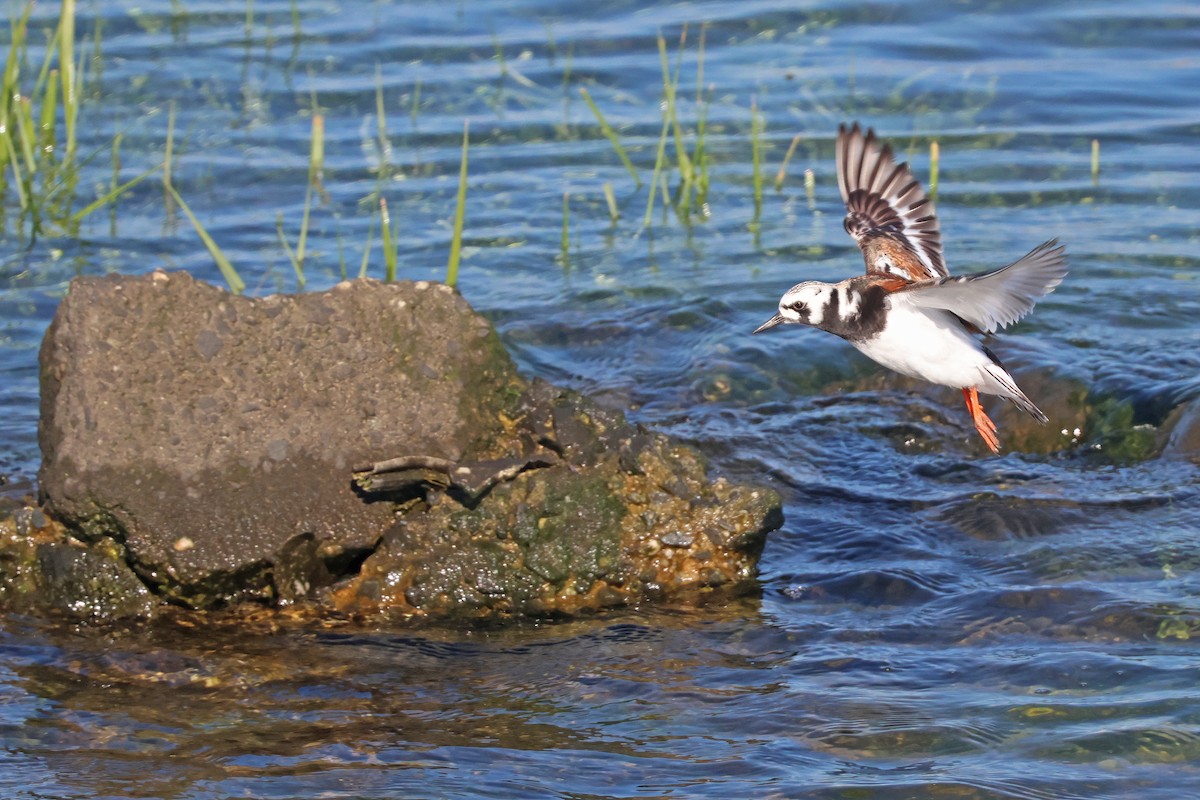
907,312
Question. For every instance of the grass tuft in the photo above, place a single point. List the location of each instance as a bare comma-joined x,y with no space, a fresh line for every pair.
42,169
691,194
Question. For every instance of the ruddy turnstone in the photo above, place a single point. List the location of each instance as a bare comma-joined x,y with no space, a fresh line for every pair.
907,312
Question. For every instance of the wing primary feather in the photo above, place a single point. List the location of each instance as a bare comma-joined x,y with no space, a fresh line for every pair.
996,299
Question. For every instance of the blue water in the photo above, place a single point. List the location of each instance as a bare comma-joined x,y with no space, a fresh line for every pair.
933,622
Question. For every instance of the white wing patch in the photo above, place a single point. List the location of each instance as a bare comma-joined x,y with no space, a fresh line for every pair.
995,299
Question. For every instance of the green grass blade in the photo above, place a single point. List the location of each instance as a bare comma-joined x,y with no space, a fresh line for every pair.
236,284
389,242
614,212
47,71
23,116
18,177
341,251
700,154
385,145
116,170
70,86
316,161
12,64
659,159
670,86
415,109
168,156
97,54
756,129
316,151
46,123
1095,161
302,242
664,184
297,265
565,255
779,176
460,210
112,195
611,134
366,257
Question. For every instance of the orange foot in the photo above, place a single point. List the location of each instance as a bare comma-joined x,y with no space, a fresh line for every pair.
986,428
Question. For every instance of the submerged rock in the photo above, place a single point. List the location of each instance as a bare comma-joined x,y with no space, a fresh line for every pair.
212,439
1183,431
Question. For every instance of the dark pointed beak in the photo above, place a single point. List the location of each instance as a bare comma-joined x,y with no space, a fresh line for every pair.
771,323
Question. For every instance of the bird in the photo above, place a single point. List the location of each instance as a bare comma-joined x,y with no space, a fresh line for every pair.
907,312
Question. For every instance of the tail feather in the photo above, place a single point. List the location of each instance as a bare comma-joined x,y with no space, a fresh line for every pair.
1010,391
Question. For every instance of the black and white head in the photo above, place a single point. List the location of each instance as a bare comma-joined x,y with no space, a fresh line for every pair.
805,304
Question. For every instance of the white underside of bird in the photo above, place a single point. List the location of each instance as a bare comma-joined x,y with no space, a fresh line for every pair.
950,355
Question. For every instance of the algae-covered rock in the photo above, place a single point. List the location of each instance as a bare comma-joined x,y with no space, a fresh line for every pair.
44,570
207,443
625,515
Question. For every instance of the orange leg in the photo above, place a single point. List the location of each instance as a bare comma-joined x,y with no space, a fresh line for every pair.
986,428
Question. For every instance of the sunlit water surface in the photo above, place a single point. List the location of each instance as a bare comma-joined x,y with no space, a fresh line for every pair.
932,622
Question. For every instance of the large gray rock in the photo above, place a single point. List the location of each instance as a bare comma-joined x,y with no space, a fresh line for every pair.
219,442
207,431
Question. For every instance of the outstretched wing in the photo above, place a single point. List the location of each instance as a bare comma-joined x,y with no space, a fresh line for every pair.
996,299
888,213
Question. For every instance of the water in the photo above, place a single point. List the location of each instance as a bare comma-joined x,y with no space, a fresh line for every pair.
932,623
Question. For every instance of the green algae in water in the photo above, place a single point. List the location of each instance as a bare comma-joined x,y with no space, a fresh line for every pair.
1118,438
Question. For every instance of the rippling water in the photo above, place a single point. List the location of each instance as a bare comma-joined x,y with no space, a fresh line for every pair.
932,623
